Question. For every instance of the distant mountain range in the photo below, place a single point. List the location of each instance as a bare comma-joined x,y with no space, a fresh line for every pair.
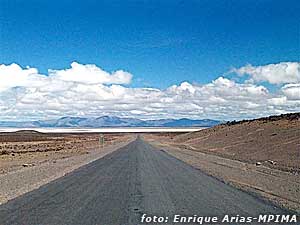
110,121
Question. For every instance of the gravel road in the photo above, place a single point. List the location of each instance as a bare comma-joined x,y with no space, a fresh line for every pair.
120,187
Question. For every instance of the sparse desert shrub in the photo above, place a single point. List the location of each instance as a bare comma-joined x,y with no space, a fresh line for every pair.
289,116
4,152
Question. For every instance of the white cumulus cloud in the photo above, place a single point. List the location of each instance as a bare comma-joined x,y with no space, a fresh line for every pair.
281,73
291,91
13,76
87,90
90,74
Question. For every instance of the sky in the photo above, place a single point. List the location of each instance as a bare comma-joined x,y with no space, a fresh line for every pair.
218,59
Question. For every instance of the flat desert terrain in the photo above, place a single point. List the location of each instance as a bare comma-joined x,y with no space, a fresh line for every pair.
29,148
29,159
261,156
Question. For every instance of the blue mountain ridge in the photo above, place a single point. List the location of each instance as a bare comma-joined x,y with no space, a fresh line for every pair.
110,121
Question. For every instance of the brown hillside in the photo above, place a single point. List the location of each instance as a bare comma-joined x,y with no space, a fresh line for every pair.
273,141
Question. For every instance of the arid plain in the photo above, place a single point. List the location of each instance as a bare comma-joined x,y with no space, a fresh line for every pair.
261,157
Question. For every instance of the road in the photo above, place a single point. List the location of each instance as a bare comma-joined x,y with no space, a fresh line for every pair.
119,188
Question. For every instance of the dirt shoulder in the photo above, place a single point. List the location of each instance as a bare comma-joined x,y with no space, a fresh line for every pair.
23,171
277,186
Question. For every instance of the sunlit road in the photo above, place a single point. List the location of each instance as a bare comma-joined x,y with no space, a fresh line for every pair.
119,188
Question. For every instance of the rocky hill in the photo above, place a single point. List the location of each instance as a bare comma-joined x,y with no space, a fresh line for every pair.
273,141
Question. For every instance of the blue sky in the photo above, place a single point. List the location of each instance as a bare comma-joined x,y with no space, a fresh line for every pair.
218,59
160,42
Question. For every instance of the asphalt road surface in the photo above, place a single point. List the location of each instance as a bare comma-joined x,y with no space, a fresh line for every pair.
119,188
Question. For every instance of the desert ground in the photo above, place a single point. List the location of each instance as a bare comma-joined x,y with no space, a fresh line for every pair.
136,180
29,159
259,156
29,148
